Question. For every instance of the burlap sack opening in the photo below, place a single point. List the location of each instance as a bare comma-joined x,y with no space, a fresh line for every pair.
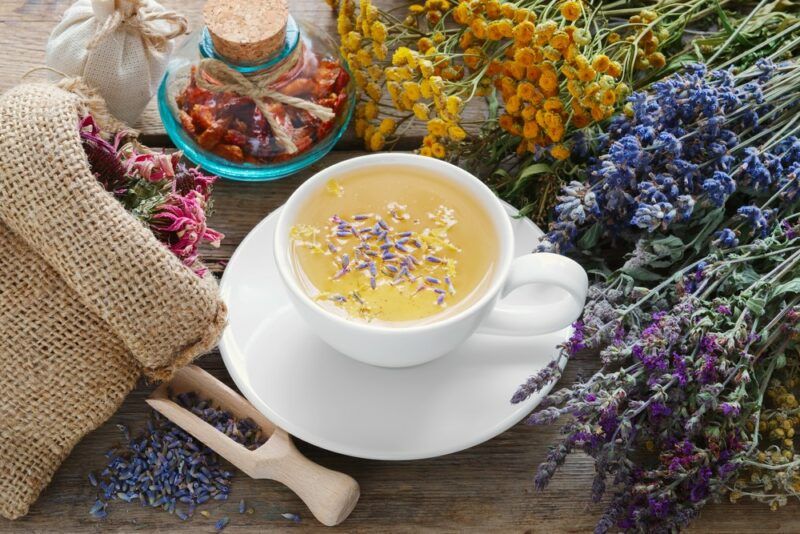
89,299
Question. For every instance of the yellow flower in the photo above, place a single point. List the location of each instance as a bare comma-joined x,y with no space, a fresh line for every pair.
416,9
508,10
657,60
438,150
377,141
351,41
453,105
425,68
514,69
425,151
420,111
600,63
424,43
425,88
548,81
359,77
559,152
437,84
438,37
462,14
559,40
478,27
412,90
373,91
493,10
456,133
571,10
493,31
587,74
364,58
553,104
472,57
551,54
387,126
613,37
526,91
506,28
530,130
378,31
614,69
513,104
524,55
371,110
608,97
437,127
507,123
523,32
528,113
402,56
361,127
380,51
581,36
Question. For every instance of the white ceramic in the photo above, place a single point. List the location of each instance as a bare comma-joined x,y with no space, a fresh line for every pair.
329,400
388,346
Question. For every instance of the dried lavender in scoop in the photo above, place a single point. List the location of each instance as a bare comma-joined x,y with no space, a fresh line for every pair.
164,467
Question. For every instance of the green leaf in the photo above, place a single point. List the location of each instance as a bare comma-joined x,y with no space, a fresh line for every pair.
792,286
536,168
590,238
756,305
668,247
709,222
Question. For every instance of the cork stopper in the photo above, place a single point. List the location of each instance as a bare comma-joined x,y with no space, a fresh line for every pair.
246,31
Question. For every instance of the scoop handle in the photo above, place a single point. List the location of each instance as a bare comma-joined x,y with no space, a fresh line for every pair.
329,495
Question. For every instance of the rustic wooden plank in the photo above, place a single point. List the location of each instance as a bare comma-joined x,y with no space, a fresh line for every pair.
485,489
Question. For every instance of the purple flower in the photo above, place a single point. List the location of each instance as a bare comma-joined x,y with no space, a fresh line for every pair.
730,408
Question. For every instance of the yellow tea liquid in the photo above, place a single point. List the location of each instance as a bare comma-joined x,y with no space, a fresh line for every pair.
395,245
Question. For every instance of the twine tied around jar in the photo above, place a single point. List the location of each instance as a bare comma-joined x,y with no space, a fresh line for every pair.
143,22
225,79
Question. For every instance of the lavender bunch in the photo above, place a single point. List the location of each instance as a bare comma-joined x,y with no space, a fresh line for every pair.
672,417
670,164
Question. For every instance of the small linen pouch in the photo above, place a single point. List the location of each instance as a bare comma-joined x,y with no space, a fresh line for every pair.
119,47
89,299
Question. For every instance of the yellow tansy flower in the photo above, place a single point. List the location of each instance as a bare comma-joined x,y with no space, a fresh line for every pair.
456,133
437,127
420,111
387,126
600,63
571,10
559,152
438,150
377,141
378,31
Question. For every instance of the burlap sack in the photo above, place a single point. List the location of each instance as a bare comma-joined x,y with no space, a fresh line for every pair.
89,299
120,47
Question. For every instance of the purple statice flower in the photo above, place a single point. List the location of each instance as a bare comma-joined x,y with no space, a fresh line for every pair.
659,506
730,408
699,486
659,409
724,310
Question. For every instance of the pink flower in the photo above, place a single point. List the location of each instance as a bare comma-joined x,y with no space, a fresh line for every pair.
180,222
152,166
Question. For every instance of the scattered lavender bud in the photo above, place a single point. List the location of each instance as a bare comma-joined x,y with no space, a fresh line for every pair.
291,517
221,524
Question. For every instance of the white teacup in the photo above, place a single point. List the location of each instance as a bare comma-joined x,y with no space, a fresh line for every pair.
404,346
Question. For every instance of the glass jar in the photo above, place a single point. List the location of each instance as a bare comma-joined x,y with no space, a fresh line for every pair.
263,121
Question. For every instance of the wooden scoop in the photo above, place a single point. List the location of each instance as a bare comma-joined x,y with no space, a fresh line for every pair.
330,495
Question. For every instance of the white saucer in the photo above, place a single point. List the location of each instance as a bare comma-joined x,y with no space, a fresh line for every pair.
339,404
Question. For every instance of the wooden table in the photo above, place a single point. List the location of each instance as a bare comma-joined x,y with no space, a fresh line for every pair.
486,488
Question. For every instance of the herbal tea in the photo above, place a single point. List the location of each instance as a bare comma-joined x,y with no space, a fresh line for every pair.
394,245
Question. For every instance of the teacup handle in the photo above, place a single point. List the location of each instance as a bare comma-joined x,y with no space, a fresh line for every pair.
539,268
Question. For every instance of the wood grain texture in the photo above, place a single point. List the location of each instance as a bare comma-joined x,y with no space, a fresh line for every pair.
488,488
